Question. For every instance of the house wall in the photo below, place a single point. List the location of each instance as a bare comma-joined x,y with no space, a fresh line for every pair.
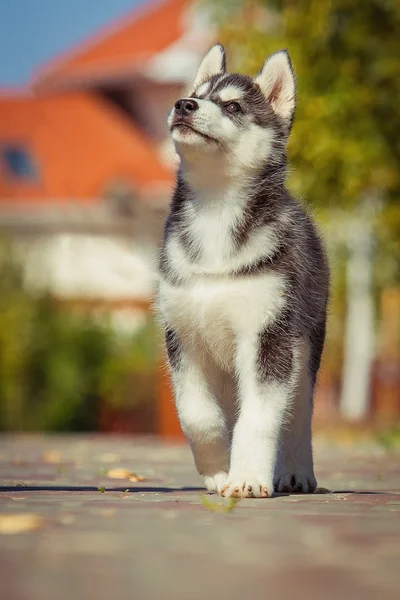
75,264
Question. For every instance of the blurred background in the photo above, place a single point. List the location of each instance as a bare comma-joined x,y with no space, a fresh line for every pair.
86,173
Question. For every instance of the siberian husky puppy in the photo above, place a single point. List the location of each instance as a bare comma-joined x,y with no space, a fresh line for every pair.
243,284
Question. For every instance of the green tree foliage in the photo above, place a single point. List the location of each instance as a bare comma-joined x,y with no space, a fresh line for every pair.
57,368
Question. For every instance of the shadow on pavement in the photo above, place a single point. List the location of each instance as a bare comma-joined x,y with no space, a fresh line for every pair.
160,490
92,488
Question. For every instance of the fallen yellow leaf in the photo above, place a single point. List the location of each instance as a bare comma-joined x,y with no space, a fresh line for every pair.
120,473
134,477
222,506
19,523
52,457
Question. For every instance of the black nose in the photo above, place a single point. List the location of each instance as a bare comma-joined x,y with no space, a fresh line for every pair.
186,106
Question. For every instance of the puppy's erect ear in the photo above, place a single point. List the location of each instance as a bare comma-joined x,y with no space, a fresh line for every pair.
278,84
213,63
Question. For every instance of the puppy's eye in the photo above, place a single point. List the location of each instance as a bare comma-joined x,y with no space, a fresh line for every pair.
233,107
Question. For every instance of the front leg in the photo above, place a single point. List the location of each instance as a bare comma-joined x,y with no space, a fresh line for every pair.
267,365
198,384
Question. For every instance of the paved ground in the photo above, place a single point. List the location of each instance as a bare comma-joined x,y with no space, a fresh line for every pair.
68,530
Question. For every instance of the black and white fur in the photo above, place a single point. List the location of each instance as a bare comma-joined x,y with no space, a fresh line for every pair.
243,284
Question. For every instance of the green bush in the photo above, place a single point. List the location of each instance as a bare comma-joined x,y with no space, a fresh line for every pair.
59,368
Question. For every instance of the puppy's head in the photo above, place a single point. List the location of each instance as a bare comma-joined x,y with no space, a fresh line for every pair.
235,116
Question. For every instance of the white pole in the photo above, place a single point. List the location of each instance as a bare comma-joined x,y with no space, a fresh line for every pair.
359,331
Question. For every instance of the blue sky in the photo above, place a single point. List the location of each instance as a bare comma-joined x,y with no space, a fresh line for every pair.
33,32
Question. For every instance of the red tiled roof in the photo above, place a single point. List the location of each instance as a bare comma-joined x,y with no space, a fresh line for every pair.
120,50
80,143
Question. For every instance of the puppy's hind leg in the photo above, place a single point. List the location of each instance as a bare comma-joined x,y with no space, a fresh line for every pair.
294,470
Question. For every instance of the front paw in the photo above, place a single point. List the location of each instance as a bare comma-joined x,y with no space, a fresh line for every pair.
297,480
215,483
247,486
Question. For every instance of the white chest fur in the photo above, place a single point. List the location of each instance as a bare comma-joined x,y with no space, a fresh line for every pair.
215,311
211,230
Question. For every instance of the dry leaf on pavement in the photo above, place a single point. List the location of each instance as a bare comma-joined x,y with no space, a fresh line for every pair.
19,522
135,477
120,473
51,457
